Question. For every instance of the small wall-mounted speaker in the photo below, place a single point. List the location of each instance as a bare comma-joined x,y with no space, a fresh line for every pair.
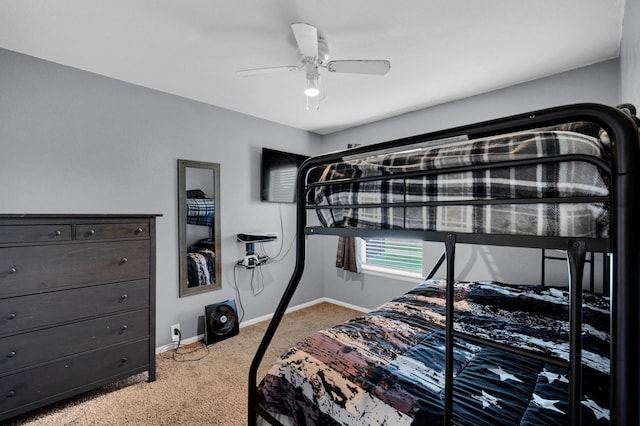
221,321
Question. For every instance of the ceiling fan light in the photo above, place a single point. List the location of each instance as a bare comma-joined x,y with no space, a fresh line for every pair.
311,92
312,88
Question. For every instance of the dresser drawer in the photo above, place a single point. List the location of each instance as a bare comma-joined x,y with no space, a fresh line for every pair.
105,231
52,382
27,312
24,350
48,267
34,233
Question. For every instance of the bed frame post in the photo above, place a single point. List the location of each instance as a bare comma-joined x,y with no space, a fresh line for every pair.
625,304
576,258
450,250
625,273
300,247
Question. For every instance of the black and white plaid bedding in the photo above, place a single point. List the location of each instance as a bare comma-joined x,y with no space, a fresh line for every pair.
387,367
200,211
564,179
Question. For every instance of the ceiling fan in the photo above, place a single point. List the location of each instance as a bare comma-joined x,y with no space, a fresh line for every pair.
313,51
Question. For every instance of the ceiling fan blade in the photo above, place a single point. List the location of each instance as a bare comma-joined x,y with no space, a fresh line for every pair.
307,38
375,67
268,70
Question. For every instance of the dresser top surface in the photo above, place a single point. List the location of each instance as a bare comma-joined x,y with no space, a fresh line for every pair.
75,216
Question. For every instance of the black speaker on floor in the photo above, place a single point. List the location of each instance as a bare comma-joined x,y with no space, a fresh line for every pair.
221,321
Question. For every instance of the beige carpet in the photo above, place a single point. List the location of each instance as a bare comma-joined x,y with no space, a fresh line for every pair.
209,391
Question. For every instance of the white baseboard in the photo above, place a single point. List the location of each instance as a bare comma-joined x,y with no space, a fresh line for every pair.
267,317
302,306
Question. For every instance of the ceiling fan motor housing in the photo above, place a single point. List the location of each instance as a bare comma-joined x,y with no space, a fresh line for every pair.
323,54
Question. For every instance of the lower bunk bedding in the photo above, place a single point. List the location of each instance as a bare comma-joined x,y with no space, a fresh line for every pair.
387,367
201,264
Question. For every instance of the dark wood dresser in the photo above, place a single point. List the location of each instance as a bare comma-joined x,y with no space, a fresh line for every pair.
77,305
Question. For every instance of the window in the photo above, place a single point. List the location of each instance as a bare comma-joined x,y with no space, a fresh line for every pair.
398,257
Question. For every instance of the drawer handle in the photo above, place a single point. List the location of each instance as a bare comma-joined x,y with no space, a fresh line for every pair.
124,327
124,260
57,233
123,359
11,316
13,270
11,354
11,393
124,296
139,231
91,232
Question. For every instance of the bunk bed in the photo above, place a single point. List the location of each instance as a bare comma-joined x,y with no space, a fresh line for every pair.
564,178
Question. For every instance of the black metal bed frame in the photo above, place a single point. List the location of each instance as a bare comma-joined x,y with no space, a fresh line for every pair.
624,202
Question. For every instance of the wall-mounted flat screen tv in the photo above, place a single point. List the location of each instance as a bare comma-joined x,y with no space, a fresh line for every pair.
278,175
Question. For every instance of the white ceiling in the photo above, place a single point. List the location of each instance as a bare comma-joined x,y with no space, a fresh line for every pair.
439,50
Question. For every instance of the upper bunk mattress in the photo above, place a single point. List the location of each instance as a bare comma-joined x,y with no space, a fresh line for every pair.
575,178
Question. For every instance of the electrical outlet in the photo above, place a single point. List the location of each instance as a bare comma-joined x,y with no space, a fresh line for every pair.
175,332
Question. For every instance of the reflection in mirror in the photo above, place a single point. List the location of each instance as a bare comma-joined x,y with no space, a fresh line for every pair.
199,227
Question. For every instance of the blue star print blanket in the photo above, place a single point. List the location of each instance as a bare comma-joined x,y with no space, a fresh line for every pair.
387,367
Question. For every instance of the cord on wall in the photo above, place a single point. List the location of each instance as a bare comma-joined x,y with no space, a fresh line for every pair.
176,335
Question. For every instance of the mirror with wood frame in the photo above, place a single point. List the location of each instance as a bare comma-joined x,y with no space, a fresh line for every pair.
199,227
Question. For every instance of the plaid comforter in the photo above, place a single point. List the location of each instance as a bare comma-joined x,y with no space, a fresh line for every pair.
200,211
564,179
387,367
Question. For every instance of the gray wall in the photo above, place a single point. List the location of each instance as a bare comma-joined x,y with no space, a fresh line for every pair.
596,83
75,142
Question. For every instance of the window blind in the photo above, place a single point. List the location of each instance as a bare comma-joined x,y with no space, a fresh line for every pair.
403,255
